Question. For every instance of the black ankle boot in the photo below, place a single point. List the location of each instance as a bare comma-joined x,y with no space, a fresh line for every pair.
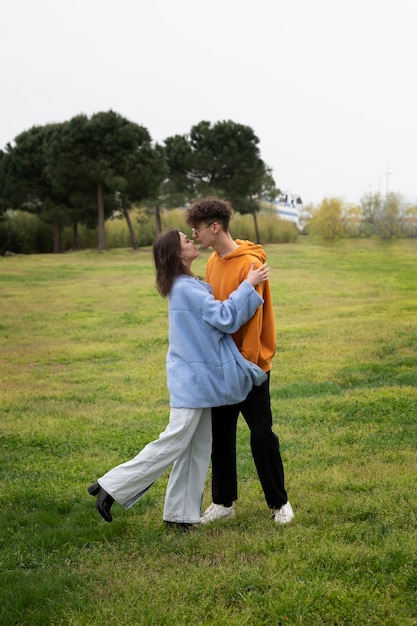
93,489
104,501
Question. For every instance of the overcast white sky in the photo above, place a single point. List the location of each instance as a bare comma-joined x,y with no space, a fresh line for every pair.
328,86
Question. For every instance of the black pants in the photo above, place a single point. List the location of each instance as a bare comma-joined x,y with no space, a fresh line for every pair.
256,410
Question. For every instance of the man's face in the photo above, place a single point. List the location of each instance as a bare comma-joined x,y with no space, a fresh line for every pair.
204,233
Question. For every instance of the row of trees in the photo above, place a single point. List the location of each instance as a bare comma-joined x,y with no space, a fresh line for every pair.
84,170
386,217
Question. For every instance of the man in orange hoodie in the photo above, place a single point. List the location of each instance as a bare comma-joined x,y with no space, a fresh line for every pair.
227,266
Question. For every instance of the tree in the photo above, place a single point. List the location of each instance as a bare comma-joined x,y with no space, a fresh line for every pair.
109,154
221,159
144,172
388,219
408,221
326,220
3,200
26,184
371,207
352,221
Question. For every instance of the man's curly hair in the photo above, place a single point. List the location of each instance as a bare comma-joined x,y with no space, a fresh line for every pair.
209,209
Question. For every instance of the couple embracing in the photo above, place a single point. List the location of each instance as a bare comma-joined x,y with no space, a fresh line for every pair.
221,345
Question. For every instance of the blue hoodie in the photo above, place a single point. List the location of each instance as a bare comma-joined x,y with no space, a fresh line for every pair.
204,367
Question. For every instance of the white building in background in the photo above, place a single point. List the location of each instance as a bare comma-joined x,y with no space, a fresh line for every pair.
289,207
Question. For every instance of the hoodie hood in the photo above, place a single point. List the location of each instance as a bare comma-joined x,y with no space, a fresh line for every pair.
244,248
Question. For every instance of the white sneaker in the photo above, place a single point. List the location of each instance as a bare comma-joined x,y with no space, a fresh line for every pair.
217,511
284,515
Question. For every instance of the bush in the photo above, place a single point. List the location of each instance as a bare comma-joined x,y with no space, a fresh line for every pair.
24,233
271,228
87,238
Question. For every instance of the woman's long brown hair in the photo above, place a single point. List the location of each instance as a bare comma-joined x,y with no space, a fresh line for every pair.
167,258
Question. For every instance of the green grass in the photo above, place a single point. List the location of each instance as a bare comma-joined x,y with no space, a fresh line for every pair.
83,343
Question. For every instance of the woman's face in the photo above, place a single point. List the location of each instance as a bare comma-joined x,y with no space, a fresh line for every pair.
188,248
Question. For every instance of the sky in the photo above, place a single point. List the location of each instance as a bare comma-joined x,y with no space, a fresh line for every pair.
328,86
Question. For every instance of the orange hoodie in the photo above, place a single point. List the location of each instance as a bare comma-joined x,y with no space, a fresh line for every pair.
256,339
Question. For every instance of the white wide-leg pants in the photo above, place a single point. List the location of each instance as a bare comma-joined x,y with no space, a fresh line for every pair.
186,442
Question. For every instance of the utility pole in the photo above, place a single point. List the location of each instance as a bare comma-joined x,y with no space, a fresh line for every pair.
386,188
386,174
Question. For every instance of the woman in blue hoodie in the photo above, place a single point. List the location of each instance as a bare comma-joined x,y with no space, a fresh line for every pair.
204,369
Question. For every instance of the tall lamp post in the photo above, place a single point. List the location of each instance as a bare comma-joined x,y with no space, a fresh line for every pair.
387,174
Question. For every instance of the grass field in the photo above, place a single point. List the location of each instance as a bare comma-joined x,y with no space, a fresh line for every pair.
83,343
